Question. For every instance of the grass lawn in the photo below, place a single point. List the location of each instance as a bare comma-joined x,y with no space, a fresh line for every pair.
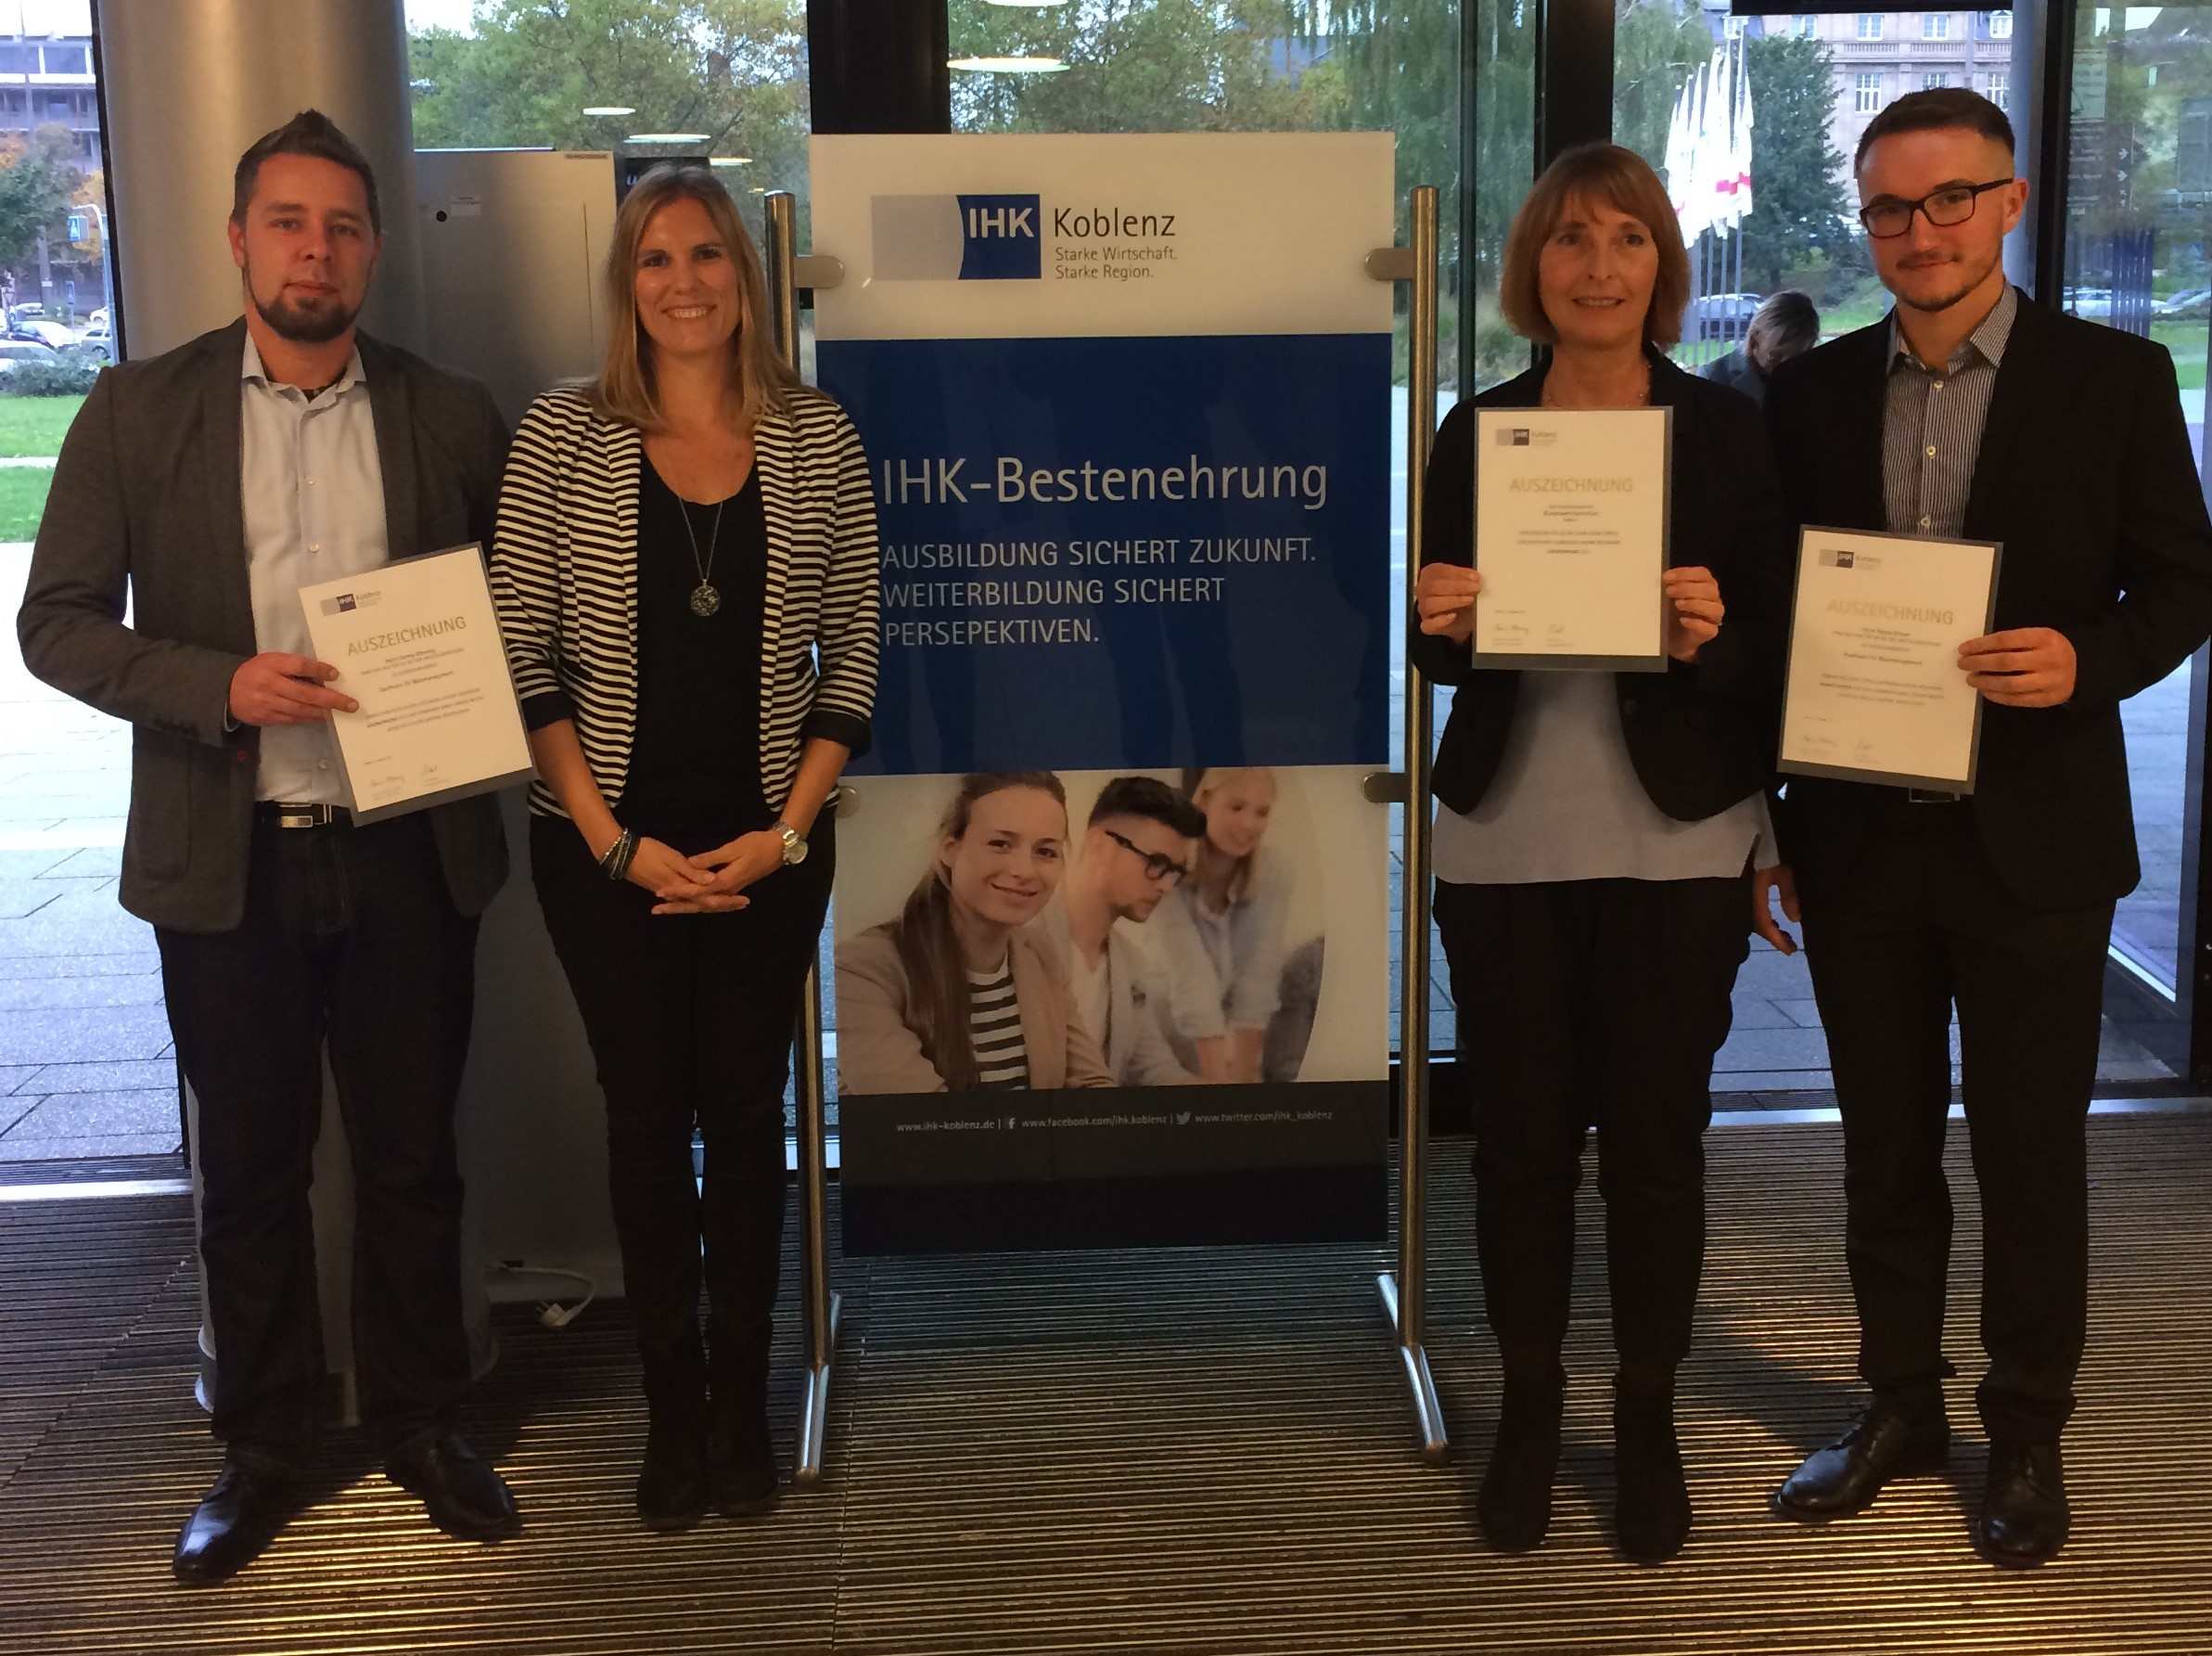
35,426
2186,340
23,500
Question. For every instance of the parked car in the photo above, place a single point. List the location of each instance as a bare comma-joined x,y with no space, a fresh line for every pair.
14,352
2092,302
2185,304
1719,315
51,334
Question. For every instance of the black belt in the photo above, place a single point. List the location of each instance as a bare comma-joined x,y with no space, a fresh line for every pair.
279,814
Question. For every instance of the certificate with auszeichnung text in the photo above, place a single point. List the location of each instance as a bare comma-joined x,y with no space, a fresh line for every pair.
1875,690
1570,538
417,644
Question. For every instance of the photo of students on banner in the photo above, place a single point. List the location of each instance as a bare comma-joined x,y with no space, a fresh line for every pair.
1169,929
1099,1008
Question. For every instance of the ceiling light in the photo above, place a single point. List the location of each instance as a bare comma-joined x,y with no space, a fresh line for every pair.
610,110
1009,66
729,161
666,138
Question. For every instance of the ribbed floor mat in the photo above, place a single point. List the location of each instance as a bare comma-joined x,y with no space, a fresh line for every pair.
1188,1451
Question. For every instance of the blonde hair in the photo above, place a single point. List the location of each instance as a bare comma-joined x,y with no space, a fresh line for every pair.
1200,786
623,392
1623,181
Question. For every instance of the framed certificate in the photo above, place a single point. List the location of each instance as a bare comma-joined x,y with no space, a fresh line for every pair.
1570,538
1875,692
417,644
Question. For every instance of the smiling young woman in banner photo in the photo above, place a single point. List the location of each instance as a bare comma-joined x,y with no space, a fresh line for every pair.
960,993
1595,844
685,573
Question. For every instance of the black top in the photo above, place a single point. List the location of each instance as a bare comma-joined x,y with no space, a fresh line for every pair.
1700,735
695,764
2087,476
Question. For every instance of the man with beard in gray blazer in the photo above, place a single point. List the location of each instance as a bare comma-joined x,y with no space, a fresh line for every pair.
204,487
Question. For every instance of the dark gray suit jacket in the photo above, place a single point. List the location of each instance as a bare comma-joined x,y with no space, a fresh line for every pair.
145,502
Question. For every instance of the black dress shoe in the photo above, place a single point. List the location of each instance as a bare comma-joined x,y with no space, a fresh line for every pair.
464,1496
1513,1505
238,1516
672,1483
2024,1516
1652,1510
741,1461
1846,1476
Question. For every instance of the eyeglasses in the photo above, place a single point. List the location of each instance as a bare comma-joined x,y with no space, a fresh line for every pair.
1156,865
1953,204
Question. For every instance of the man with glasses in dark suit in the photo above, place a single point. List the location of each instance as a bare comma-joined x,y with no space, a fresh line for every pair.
1971,413
206,486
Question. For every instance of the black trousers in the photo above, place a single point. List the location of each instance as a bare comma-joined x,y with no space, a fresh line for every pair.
1592,1003
348,937
690,1019
1917,922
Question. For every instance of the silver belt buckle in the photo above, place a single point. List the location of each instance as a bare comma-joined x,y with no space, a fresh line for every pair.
302,817
1932,796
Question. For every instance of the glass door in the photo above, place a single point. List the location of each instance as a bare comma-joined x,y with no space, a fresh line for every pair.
2137,255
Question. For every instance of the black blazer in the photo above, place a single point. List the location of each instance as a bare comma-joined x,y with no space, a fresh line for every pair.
1699,735
145,503
2085,477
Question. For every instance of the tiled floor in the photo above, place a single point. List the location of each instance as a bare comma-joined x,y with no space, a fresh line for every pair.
85,1064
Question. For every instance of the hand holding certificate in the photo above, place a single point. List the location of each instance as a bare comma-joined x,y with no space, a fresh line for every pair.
417,646
1570,538
1875,692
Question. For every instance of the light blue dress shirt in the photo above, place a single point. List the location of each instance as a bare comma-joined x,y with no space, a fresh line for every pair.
312,491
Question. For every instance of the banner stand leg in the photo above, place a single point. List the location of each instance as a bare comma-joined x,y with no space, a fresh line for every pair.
820,1305
1404,1291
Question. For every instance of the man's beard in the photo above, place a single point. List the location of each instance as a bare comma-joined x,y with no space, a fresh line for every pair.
1934,306
297,322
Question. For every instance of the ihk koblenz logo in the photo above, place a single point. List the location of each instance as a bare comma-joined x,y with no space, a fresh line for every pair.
965,238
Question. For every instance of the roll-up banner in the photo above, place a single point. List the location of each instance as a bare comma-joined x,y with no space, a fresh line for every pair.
1112,907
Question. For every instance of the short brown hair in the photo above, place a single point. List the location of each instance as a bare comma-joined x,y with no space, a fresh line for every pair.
1787,324
624,390
308,132
1624,181
1931,111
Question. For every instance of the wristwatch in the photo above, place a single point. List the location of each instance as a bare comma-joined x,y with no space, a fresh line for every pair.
795,845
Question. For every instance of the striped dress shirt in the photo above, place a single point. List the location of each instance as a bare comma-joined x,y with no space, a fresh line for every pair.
564,576
1932,424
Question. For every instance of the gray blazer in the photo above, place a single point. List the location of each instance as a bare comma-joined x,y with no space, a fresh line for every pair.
146,504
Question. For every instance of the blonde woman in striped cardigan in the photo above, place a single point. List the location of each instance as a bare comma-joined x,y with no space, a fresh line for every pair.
685,572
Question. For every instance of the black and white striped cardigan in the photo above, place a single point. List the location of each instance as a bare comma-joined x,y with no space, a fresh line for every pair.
564,576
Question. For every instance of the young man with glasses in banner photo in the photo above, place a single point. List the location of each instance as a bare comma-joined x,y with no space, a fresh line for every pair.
1937,422
1140,844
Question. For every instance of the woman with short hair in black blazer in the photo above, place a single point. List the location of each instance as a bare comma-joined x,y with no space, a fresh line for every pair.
1594,852
686,572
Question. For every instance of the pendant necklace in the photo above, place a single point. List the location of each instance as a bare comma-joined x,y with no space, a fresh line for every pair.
705,601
